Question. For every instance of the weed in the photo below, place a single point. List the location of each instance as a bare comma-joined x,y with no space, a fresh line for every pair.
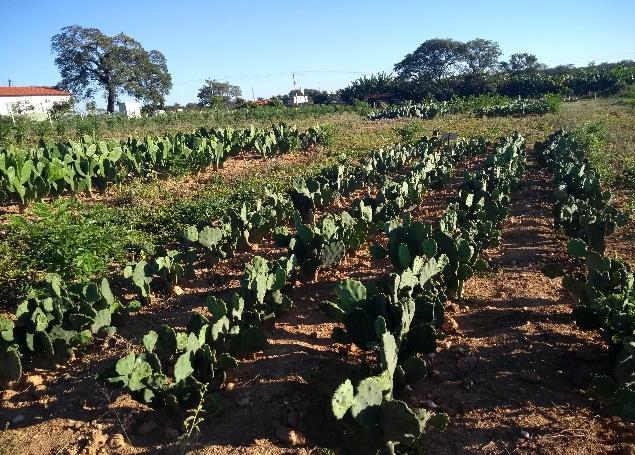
67,238
410,132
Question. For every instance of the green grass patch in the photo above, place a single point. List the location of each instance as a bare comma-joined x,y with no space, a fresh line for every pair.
76,241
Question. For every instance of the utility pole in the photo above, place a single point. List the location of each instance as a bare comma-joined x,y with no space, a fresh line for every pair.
253,97
9,82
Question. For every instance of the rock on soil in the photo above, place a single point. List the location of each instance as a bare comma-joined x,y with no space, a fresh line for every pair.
450,325
289,436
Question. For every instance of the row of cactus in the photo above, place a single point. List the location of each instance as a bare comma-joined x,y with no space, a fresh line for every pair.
431,109
162,269
51,324
184,377
582,208
515,108
474,222
220,239
48,328
605,302
308,194
605,296
426,110
167,268
324,244
53,168
404,193
398,315
181,369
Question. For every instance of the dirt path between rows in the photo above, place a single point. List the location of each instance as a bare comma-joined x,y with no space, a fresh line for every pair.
513,376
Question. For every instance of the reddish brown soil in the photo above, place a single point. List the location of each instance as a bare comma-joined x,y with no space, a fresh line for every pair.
515,364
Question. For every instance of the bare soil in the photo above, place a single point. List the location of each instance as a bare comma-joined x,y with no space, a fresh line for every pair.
512,376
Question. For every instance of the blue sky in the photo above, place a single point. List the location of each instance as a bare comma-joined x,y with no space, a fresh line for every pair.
258,44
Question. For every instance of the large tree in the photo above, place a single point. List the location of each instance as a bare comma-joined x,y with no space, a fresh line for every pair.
434,59
481,55
523,62
215,93
89,60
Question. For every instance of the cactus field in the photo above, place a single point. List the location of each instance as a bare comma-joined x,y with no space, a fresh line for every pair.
351,290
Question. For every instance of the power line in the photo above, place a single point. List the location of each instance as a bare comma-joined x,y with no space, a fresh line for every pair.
271,75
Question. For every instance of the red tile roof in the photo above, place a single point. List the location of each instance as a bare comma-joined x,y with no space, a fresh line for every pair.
32,91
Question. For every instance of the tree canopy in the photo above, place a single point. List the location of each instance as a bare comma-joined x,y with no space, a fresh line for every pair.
435,59
366,85
481,55
523,62
90,60
438,59
214,93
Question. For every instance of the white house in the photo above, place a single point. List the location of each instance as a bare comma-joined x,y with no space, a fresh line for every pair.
30,100
130,108
299,98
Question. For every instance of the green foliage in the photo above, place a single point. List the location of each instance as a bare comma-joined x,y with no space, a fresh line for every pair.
264,288
360,88
482,106
628,96
275,101
217,93
410,132
90,60
553,100
424,110
520,108
325,244
179,369
117,126
398,315
65,238
61,108
605,298
605,301
49,329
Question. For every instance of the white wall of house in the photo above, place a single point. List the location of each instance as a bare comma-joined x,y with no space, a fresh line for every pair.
130,108
22,104
299,99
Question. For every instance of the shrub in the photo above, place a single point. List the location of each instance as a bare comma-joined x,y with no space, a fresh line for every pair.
410,132
78,245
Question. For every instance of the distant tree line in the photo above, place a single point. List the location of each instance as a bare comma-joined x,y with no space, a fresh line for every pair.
91,61
444,68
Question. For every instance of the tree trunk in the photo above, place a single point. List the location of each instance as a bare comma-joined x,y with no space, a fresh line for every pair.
111,100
